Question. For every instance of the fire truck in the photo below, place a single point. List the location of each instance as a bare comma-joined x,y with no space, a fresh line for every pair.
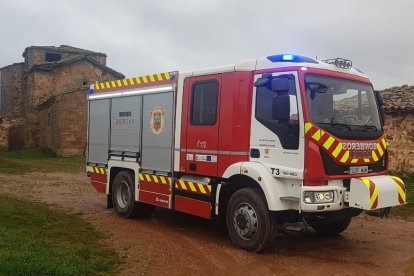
252,146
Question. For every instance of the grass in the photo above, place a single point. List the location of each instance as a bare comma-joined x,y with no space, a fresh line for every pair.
36,240
34,160
408,209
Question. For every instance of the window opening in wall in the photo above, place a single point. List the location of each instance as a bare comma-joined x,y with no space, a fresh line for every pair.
51,57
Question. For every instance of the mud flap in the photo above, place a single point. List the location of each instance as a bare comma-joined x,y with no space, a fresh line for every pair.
376,192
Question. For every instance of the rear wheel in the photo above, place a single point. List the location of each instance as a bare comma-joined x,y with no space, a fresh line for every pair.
123,198
331,227
250,225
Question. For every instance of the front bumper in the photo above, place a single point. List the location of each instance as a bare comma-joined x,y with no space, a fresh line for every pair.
366,193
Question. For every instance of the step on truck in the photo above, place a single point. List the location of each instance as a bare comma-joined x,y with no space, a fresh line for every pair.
252,145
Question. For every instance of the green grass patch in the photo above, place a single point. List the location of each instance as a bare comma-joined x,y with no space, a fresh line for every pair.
35,240
34,160
408,209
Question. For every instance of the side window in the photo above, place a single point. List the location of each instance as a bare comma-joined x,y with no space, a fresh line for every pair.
277,108
204,98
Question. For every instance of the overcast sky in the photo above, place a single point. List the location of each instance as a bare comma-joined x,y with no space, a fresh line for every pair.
142,37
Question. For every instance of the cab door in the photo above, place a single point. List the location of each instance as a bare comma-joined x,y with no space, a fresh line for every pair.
200,125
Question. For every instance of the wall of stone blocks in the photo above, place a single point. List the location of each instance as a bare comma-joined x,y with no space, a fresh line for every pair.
399,129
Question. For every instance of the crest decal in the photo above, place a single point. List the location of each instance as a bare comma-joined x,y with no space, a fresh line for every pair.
157,120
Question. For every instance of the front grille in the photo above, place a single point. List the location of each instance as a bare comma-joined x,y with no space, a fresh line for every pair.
332,168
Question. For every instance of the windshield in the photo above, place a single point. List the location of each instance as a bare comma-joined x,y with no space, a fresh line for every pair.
346,108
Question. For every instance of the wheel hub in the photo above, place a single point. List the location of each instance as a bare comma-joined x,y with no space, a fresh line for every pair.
122,194
245,221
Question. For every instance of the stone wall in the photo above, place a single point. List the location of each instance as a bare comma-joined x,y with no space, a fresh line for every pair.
64,123
11,87
399,129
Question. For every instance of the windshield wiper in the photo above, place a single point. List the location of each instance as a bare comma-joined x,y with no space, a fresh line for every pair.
338,125
366,127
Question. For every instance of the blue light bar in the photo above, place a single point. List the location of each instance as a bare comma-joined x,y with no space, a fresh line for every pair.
90,91
288,57
291,58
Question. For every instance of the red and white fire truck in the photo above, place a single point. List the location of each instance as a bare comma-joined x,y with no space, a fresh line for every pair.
255,144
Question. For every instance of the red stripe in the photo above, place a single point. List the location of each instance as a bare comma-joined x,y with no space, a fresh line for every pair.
371,188
312,131
375,203
400,199
324,138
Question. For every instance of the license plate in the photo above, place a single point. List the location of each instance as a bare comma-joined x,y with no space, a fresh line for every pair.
358,169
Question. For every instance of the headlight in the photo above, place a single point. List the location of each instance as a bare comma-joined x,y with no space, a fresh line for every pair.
318,197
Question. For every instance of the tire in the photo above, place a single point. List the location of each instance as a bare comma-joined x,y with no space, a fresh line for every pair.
250,225
123,198
331,227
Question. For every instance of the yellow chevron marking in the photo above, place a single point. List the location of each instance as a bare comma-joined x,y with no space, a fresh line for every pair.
354,160
209,188
337,150
141,177
374,156
148,177
152,79
328,142
379,149
159,76
113,84
401,192
384,143
119,83
176,185
107,84
102,85
155,179
102,171
131,81
201,187
144,78
318,135
163,180
308,126
183,186
167,75
366,160
96,86
125,82
138,80
192,188
373,197
345,157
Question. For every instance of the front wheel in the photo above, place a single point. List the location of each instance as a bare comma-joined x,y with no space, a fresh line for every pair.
331,227
251,227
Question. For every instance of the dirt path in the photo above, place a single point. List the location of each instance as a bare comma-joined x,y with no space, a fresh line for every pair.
179,244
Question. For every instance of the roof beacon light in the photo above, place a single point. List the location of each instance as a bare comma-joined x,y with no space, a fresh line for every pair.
340,62
291,58
287,57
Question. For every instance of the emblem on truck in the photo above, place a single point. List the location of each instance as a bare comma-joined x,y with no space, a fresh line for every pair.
157,120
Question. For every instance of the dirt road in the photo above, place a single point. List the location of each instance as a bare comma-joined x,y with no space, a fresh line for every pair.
179,244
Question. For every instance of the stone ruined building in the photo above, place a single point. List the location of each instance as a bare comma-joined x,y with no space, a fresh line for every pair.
399,127
43,99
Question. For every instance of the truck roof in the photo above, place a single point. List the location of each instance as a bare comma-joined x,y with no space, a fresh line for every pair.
280,61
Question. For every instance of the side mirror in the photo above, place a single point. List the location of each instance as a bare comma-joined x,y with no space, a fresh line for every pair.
281,108
280,85
380,101
264,80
